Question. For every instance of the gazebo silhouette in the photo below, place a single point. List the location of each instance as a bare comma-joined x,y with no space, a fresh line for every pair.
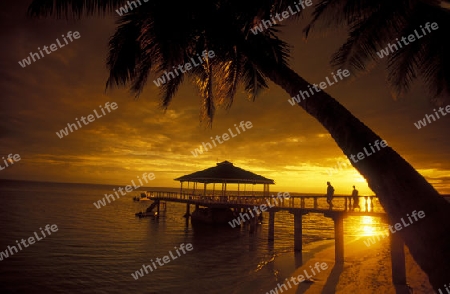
223,173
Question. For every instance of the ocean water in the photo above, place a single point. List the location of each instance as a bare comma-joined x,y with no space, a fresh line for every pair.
97,250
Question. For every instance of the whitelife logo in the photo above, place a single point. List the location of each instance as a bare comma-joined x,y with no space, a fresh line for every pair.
10,159
411,38
166,259
372,240
280,16
122,10
322,85
262,208
361,155
225,137
31,240
187,66
102,202
90,118
398,226
53,48
423,123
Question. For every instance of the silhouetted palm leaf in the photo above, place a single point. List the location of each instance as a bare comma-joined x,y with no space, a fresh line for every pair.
72,8
145,43
375,24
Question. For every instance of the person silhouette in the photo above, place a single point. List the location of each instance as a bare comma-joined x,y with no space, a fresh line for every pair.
355,199
330,193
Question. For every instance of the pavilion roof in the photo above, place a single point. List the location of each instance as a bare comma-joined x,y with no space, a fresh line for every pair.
225,172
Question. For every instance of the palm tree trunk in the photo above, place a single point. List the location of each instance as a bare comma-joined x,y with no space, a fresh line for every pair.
399,187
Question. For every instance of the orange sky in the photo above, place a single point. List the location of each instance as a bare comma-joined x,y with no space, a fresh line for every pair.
284,144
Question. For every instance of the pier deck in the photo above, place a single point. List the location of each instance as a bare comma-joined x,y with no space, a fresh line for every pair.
305,204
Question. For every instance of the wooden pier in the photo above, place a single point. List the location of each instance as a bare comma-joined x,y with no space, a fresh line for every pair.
225,194
298,206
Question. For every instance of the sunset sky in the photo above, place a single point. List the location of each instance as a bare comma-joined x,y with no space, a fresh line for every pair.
284,144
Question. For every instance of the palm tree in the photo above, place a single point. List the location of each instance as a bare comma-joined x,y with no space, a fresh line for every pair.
375,24
145,42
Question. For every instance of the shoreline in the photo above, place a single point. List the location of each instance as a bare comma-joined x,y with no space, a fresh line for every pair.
365,269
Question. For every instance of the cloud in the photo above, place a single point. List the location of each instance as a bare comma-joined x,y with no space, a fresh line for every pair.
285,143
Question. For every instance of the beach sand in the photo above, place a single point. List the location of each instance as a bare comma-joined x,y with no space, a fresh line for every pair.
365,270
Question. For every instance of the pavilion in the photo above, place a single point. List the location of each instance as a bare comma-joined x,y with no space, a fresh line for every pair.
224,173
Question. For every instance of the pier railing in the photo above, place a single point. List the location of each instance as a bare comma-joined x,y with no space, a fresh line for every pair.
340,202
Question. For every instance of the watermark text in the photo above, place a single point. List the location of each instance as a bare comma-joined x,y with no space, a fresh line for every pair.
166,259
102,202
31,240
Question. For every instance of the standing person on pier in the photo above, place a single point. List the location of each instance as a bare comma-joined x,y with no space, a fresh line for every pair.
330,193
355,199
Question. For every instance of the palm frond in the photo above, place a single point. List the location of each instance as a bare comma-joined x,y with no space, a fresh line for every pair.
434,68
205,83
72,8
124,51
365,38
402,69
169,89
375,24
325,11
226,80
253,79
145,43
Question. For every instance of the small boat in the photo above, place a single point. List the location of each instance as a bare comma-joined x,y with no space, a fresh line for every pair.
144,197
146,214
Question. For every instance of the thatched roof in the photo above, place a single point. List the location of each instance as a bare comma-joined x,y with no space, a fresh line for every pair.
225,172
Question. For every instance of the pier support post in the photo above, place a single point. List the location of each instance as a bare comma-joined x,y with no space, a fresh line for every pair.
188,210
398,260
298,231
271,225
188,214
338,238
253,223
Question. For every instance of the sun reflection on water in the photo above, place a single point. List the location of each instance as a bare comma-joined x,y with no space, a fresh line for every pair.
366,226
367,223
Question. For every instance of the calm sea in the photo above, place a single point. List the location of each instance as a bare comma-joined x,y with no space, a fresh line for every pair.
96,250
